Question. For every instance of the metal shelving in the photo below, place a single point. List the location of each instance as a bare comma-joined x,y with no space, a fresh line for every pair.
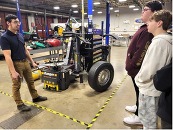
53,53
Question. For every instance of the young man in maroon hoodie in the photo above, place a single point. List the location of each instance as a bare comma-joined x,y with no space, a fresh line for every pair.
135,55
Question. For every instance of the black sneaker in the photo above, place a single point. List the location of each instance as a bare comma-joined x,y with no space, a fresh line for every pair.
23,107
39,99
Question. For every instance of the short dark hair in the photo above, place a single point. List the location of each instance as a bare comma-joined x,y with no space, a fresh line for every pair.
165,16
154,5
9,17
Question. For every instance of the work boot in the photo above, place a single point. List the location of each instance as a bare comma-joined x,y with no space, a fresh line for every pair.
39,99
23,107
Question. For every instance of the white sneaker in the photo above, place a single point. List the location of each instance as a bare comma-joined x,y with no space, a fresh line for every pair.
132,120
131,108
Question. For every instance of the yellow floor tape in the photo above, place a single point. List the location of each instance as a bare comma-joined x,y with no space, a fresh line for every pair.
68,117
106,103
48,109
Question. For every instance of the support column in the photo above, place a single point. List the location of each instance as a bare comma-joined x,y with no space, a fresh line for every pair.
90,16
83,35
107,22
19,16
45,24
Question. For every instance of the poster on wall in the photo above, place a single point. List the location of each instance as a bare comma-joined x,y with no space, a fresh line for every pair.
138,20
137,23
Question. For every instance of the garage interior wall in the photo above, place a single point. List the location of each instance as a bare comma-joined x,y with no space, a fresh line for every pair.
120,23
23,16
117,22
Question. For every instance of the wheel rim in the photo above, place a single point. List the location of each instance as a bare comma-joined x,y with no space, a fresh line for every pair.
104,77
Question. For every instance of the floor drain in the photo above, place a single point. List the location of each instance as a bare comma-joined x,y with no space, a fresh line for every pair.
19,118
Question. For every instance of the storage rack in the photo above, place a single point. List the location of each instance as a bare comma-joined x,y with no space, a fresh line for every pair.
96,51
54,52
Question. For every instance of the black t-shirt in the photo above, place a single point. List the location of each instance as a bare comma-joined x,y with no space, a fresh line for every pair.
15,43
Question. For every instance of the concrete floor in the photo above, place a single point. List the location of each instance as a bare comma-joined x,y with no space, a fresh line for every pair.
79,101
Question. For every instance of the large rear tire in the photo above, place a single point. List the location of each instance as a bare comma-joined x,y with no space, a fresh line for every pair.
101,76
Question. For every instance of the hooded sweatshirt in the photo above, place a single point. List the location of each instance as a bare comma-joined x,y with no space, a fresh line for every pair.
157,56
137,50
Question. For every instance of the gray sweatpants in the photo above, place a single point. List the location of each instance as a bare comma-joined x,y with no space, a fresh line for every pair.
148,106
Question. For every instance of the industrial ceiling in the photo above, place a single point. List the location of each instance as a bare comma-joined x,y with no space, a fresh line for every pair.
65,5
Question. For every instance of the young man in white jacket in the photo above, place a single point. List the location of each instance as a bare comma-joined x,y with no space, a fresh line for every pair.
158,55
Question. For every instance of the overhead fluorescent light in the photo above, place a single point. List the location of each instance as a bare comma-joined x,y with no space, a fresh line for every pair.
75,11
122,0
117,10
74,6
56,7
131,6
93,10
85,13
100,12
135,9
111,8
96,3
